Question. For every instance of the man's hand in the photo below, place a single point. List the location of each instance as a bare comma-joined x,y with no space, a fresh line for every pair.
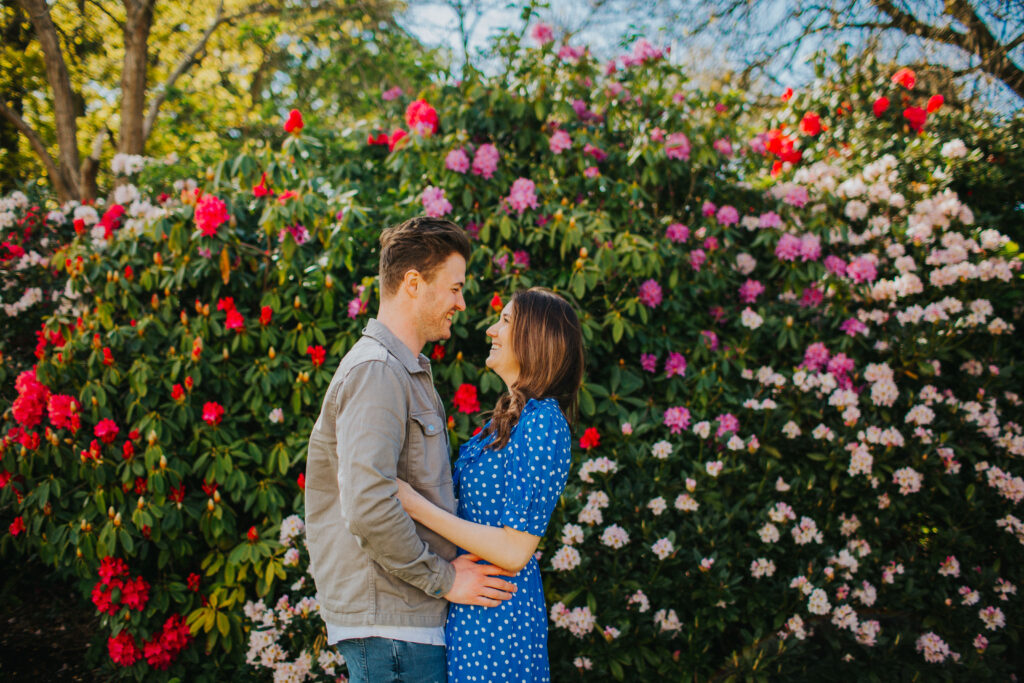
478,584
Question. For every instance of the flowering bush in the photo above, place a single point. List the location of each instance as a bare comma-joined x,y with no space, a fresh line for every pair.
797,446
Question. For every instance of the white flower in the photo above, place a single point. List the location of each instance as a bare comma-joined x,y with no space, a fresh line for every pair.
657,505
661,450
276,416
686,503
750,319
769,533
762,567
614,536
818,602
663,548
572,534
565,559
702,429
791,429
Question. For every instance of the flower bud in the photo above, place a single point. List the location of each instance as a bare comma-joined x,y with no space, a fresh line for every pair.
110,512
583,252
206,310
151,437
216,496
272,353
297,304
158,258
209,504
225,353
155,301
328,281
184,318
78,553
789,321
163,461
141,504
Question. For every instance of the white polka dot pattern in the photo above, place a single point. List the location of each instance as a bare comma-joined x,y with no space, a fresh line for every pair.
517,486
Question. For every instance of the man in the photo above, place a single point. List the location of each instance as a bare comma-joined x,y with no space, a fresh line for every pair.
383,581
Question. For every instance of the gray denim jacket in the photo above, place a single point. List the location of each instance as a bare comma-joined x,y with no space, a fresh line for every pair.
381,419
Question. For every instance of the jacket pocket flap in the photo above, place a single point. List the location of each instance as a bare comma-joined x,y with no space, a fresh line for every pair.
429,422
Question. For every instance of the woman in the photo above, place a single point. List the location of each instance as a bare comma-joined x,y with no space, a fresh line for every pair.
508,479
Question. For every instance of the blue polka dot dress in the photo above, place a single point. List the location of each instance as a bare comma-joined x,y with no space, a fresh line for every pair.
517,486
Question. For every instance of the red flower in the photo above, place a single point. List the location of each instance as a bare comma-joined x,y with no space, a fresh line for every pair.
934,102
140,485
111,568
266,313
193,582
286,195
880,105
496,304
17,526
294,123
133,435
156,655
107,430
5,477
102,596
317,354
226,303
466,400
122,649
235,321
128,450
451,422
396,136
811,124
379,139
107,358
63,412
915,117
176,495
438,352
252,535
261,190
421,118
211,213
905,77
590,438
111,220
213,412
31,402
301,481
787,94
135,593
177,393
783,146
79,224
188,383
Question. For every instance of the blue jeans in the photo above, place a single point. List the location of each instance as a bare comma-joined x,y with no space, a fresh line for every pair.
382,660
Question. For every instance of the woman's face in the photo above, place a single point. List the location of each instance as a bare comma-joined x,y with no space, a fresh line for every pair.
501,358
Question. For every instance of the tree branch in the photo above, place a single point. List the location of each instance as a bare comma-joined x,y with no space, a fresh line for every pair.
100,7
38,147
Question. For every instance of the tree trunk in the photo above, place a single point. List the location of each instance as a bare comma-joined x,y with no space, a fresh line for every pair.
139,19
63,99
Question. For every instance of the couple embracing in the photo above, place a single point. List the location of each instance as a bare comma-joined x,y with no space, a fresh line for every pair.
425,574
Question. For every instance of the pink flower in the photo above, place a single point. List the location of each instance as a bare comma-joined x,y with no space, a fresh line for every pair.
677,419
810,247
677,232
457,160
559,142
789,247
650,293
723,147
649,362
710,339
521,259
211,213
485,161
542,33
391,94
107,430
815,357
862,269
235,321
797,196
675,364
591,171
568,53
596,152
728,215
750,290
213,413
697,259
769,220
523,195
677,146
811,297
835,265
421,118
727,422
434,202
853,327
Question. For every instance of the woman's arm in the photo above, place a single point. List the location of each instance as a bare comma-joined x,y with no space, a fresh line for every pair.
502,546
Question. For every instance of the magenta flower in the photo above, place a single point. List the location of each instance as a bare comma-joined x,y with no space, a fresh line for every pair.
485,161
789,247
723,147
675,364
559,142
750,290
835,265
650,293
852,327
708,209
710,338
457,160
811,297
542,33
815,357
211,213
728,215
727,422
677,232
711,243
810,247
677,419
649,362
434,202
677,146
596,152
769,220
697,259
523,195
391,94
862,269
840,364
521,259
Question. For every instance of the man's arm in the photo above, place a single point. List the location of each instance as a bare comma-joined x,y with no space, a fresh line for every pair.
370,429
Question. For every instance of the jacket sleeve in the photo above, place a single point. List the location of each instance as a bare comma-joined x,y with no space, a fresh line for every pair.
371,422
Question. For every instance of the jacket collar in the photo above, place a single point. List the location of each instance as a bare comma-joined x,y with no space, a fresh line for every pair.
376,329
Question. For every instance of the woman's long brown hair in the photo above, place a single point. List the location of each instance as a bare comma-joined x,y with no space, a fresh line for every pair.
547,342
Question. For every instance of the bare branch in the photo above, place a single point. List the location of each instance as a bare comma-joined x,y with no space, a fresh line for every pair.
102,8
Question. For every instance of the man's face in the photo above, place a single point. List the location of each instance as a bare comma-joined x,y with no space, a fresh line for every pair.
441,299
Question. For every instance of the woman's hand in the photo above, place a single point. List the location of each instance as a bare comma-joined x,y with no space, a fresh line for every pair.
410,499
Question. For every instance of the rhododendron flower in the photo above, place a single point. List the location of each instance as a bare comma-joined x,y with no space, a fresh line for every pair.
542,33
392,93
122,649
650,293
905,77
559,142
396,137
294,123
523,195
728,215
457,160
714,468
466,400
879,106
675,364
750,290
723,146
213,413
597,153
569,53
317,354
750,319
496,304
649,362
266,313
786,95
17,526
235,321
261,189
934,102
862,269
28,407
677,419
421,118
677,146
915,117
211,213
677,232
810,124
789,247
64,412
485,161
107,430
590,439
434,202
835,265
591,172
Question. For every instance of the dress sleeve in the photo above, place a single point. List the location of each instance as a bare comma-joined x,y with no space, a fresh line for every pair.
536,469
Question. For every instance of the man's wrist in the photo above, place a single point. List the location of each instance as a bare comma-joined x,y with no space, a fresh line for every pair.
444,581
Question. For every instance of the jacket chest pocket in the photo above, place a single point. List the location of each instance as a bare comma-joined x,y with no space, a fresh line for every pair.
427,450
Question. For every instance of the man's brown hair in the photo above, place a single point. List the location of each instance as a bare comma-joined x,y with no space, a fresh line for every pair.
421,243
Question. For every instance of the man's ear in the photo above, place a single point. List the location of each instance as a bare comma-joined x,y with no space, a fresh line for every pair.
411,282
